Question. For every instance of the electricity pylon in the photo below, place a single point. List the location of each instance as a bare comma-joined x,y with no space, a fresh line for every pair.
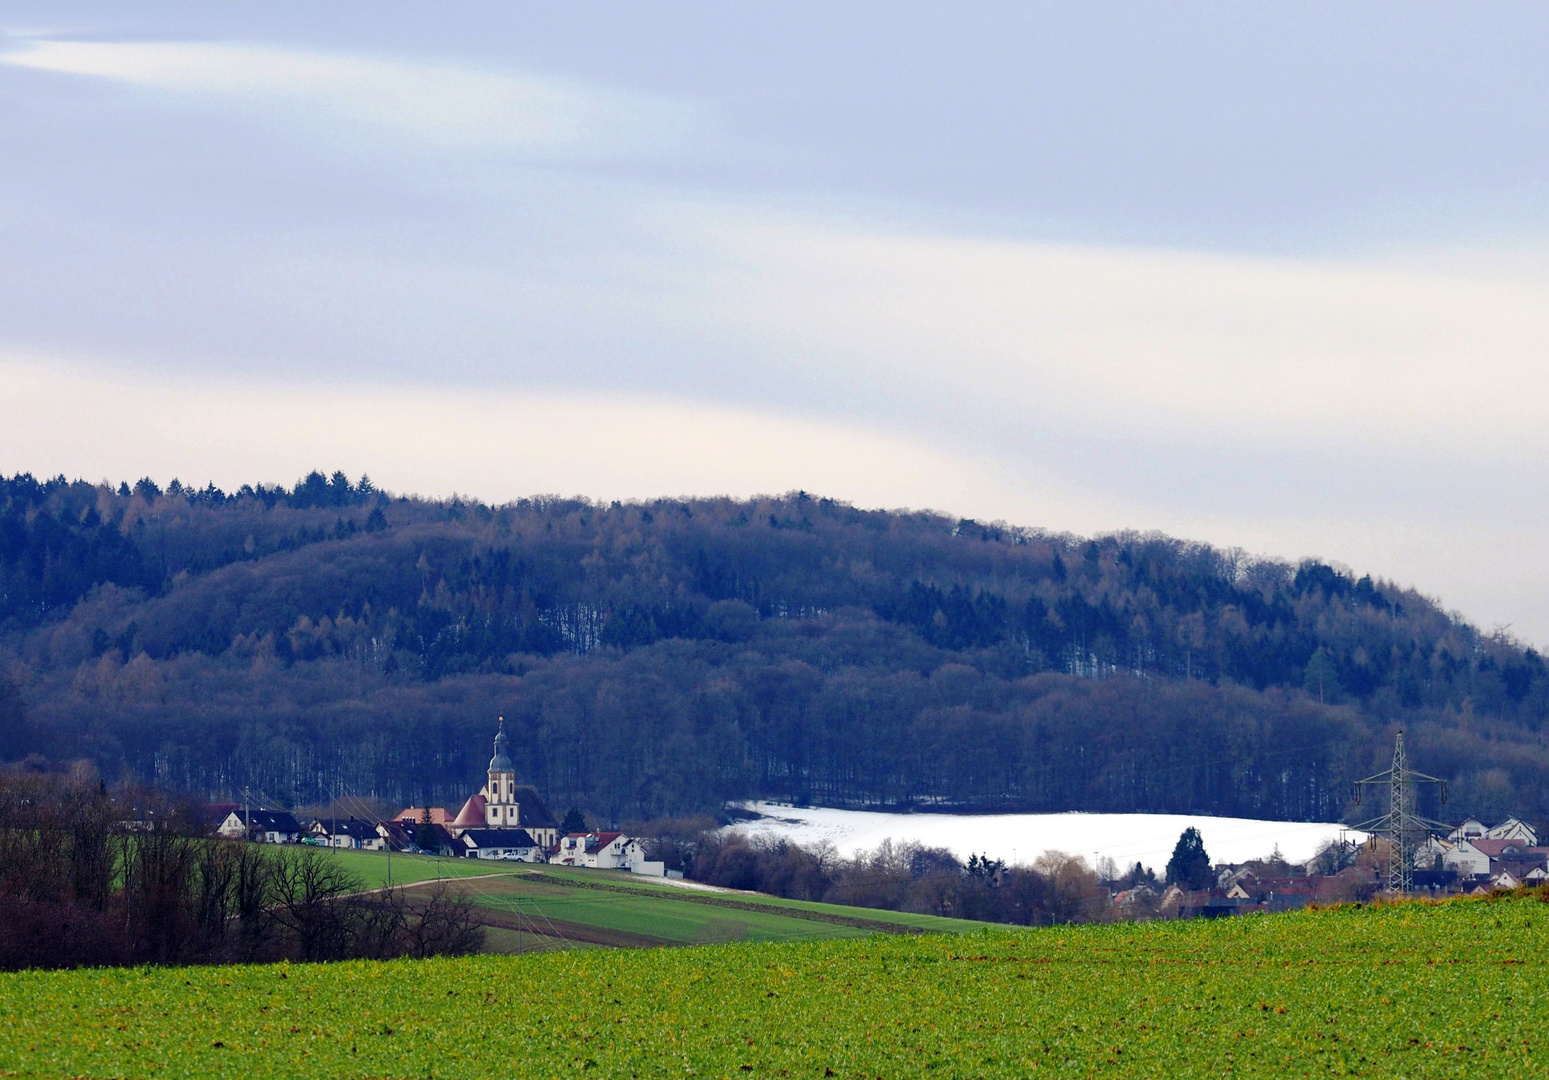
1403,828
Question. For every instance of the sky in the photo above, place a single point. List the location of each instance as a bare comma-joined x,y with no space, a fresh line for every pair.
1268,276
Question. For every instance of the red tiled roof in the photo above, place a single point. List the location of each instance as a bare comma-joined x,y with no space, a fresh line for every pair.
472,814
416,814
1493,848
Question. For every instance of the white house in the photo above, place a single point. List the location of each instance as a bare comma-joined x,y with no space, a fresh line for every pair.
1503,880
1513,829
350,833
1430,854
264,826
513,844
606,851
1472,829
1466,860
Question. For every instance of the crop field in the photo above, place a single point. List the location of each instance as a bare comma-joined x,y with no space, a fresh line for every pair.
1456,989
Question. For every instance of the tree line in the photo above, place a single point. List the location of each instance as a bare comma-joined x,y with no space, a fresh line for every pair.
662,657
93,877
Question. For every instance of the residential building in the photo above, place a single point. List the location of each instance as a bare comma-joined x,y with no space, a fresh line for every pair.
1472,829
262,826
1513,829
606,851
1466,860
349,833
514,844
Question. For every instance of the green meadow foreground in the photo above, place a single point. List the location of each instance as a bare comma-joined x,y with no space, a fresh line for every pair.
1457,989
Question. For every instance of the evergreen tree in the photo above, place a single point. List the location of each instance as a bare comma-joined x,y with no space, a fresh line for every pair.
1189,867
425,835
573,823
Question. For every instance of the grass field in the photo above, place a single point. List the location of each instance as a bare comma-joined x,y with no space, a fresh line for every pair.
1456,989
642,918
601,907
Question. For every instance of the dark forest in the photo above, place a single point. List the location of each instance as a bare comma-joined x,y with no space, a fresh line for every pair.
663,657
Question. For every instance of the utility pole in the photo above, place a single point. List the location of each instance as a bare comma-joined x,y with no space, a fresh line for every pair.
1401,826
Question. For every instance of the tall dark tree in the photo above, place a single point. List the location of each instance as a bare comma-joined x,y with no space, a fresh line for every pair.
1189,867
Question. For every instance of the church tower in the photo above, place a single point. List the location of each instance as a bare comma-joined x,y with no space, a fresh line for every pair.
500,808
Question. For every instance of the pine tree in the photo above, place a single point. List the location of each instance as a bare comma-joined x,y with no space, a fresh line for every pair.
1189,868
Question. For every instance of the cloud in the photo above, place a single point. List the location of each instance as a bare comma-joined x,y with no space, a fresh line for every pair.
1155,341
440,104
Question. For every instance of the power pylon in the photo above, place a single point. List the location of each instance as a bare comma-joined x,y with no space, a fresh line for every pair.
1403,828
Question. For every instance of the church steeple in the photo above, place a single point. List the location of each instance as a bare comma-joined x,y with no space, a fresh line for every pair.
500,807
501,762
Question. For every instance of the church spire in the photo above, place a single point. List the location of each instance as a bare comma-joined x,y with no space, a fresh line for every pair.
501,762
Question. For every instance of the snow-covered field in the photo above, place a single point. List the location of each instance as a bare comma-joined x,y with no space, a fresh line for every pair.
1021,838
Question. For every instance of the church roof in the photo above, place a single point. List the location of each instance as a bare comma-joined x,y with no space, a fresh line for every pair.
534,813
472,814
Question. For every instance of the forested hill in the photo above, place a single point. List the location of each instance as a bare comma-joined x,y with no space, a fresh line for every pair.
663,657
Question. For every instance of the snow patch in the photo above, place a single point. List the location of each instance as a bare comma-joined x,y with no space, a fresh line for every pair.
1020,838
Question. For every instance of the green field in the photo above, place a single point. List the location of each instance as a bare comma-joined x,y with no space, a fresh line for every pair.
608,907
643,918
372,867
1457,989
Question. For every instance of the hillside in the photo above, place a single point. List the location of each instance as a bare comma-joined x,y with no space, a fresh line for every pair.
1409,990
660,658
524,908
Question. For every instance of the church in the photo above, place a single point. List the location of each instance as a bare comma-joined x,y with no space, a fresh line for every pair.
505,819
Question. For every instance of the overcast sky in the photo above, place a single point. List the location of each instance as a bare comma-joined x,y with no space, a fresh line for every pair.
1266,275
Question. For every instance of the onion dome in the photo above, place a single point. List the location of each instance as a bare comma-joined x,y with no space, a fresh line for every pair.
501,762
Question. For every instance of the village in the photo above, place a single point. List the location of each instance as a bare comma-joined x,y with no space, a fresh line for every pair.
509,821
1471,859
502,820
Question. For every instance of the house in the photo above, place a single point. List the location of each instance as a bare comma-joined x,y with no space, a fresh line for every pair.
514,844
1504,880
261,826
606,851
1513,829
415,815
1536,876
1466,860
1472,829
350,833
1429,855
1498,848
397,835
